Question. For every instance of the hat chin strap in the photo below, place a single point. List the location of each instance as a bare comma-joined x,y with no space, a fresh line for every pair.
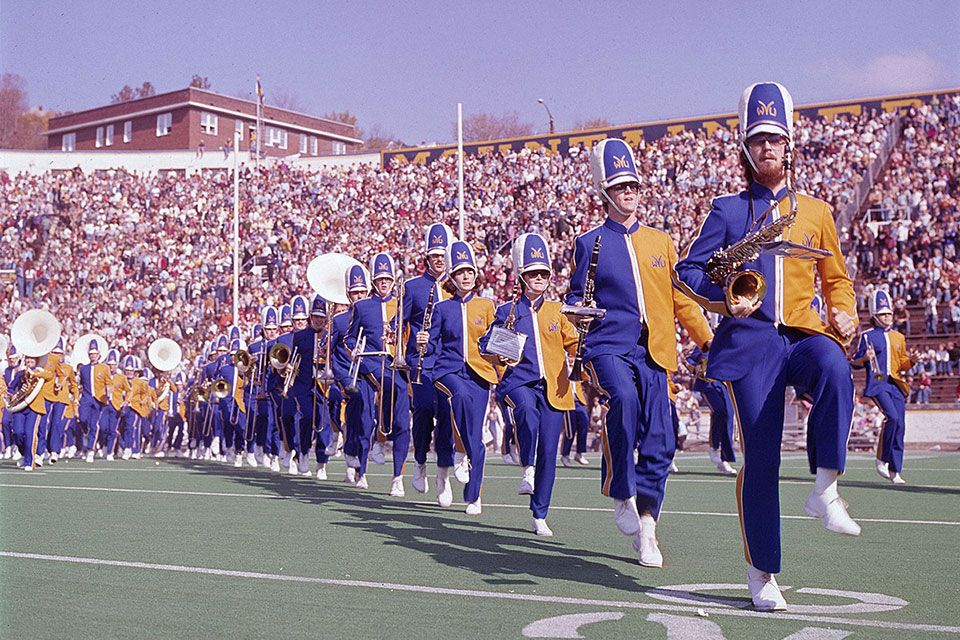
606,196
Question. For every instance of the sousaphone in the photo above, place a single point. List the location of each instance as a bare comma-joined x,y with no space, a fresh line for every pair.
326,272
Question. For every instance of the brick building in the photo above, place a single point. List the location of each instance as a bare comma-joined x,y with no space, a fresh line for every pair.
181,120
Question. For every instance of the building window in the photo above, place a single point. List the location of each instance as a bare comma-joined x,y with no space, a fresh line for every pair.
164,124
109,138
314,145
128,131
303,145
339,148
99,137
69,142
208,122
276,137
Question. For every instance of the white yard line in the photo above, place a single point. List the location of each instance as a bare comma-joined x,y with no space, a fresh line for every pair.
475,593
378,499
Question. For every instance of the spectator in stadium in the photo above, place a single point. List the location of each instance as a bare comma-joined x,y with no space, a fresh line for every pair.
924,385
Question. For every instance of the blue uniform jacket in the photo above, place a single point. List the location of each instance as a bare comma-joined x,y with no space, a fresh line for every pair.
415,294
375,316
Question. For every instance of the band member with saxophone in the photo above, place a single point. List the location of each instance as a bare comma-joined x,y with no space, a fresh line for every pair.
344,360
213,428
883,351
460,371
536,388
297,435
94,391
629,352
12,445
419,297
31,420
384,384
765,343
129,426
140,408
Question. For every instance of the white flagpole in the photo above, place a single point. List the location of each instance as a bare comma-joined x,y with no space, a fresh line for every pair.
460,163
236,227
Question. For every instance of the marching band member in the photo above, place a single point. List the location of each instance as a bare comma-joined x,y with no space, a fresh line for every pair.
142,406
291,407
195,408
425,399
309,402
275,389
765,343
110,415
460,371
94,390
630,351
263,415
355,405
31,421
249,397
175,418
64,391
386,394
578,426
721,413
129,425
883,351
11,445
219,352
233,410
537,388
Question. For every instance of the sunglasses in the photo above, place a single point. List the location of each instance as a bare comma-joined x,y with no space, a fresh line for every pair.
538,274
625,186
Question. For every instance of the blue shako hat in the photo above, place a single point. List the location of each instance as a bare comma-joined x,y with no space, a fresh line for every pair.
113,357
531,253
270,317
299,307
437,238
612,163
357,278
765,107
382,266
460,256
257,332
286,316
880,303
318,307
222,343
234,333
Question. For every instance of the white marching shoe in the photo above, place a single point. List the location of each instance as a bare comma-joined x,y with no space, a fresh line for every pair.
396,487
303,466
331,449
377,456
110,457
626,515
508,459
527,482
581,459
725,468
127,453
896,479
474,508
351,476
275,464
321,471
87,458
832,511
565,461
540,528
252,459
645,543
362,483
419,480
764,590
353,462
444,490
238,460
461,469
883,469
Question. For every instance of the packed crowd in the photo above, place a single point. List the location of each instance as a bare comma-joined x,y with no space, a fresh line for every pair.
135,257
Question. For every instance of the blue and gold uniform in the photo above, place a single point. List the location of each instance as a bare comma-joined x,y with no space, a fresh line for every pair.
537,389
721,409
31,420
94,379
576,426
629,351
6,416
355,404
425,398
886,385
462,373
232,407
386,400
783,342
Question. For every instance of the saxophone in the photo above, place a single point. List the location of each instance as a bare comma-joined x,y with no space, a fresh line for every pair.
725,267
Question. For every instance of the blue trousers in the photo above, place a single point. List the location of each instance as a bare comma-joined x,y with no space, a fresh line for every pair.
467,395
132,429
265,434
361,421
428,410
89,415
33,427
509,433
55,426
721,420
890,443
538,428
109,427
819,366
638,437
232,428
394,415
6,425
579,426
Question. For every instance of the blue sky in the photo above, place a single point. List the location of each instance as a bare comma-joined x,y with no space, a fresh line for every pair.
404,65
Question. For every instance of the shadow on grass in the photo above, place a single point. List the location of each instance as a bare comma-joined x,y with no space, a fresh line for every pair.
884,485
502,556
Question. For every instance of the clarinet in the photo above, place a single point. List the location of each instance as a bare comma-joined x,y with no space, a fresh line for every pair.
422,351
584,327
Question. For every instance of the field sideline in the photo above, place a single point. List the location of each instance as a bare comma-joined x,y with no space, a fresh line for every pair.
189,549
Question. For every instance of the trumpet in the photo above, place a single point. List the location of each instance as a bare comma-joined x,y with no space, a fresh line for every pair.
290,371
242,360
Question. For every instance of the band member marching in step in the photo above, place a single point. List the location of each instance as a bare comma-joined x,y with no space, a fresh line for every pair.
263,413
576,427
421,294
233,410
629,352
12,446
460,371
291,407
58,395
343,362
536,388
94,391
721,413
766,342
883,351
302,393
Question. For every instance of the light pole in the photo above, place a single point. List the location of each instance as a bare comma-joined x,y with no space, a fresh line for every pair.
543,102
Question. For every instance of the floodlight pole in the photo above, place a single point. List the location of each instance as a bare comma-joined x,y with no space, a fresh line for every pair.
460,164
544,103
236,227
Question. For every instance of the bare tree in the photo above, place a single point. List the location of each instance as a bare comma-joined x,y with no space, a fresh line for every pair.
488,126
283,99
13,104
378,139
128,93
200,82
592,123
341,116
